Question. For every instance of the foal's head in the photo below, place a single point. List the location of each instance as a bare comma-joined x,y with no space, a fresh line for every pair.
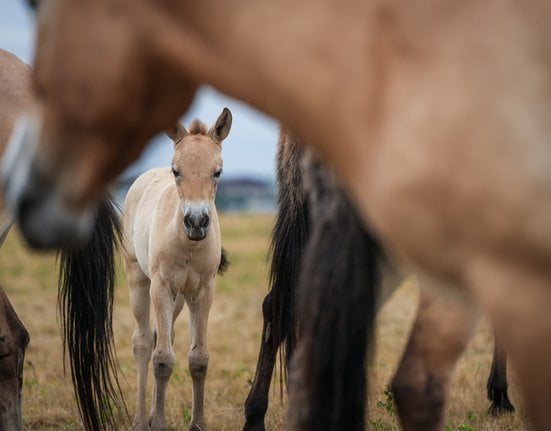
197,166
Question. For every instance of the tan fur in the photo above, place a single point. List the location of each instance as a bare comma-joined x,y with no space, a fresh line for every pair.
442,328
15,95
434,114
198,128
163,264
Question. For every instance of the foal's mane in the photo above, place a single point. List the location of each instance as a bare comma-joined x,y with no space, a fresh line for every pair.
197,127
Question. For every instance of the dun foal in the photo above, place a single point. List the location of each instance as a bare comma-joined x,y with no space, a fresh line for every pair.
173,252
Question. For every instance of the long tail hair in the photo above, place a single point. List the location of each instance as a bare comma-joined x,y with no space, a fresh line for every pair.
85,304
289,236
338,291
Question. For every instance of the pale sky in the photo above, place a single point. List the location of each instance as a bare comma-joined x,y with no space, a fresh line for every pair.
250,147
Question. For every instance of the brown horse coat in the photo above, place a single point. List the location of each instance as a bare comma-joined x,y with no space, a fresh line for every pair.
435,116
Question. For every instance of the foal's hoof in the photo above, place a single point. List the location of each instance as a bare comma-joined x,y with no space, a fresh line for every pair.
157,425
136,426
198,427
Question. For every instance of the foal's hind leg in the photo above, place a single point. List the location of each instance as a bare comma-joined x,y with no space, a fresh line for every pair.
441,331
198,357
142,339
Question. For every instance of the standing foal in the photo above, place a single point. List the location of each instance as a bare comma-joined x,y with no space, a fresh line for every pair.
173,252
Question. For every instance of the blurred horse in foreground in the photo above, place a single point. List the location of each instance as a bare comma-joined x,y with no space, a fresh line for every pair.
86,286
438,134
321,250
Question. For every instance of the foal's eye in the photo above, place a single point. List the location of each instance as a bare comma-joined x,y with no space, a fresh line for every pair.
218,173
175,173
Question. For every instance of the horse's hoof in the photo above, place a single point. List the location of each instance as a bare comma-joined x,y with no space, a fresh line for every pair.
500,403
258,426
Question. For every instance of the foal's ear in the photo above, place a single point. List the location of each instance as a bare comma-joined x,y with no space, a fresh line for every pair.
177,132
221,129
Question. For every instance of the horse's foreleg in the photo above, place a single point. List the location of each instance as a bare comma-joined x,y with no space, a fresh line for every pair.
142,339
14,340
497,382
518,299
163,355
198,357
441,331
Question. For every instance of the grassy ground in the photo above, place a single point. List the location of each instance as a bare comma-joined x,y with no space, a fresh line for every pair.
234,330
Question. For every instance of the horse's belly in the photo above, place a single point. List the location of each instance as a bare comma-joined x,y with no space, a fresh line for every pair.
463,171
440,206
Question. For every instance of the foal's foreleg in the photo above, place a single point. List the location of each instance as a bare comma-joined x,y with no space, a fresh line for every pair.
142,339
441,331
164,303
198,356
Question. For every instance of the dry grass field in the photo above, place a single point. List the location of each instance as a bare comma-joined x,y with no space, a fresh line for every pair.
234,328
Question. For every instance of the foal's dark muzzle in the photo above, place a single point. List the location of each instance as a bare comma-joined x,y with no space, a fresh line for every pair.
196,223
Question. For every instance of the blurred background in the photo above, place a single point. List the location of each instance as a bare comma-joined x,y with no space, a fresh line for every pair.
247,184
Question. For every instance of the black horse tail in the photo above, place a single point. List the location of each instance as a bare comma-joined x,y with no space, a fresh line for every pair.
85,304
289,237
337,296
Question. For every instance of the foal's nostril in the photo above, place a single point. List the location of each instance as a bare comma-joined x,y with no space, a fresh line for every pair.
204,222
187,221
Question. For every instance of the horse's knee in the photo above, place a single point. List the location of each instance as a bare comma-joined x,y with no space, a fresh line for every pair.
419,391
420,403
142,344
163,364
198,361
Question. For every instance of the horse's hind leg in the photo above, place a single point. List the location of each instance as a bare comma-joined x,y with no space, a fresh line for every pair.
198,357
497,382
441,331
142,339
256,404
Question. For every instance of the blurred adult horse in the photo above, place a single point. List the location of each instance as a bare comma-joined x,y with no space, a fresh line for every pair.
438,133
321,250
14,338
85,298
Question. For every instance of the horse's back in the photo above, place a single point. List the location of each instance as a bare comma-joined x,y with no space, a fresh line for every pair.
14,97
14,92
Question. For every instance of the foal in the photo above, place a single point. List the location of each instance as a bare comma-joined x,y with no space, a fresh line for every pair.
173,252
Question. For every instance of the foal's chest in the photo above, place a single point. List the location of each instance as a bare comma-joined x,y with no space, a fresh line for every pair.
188,274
